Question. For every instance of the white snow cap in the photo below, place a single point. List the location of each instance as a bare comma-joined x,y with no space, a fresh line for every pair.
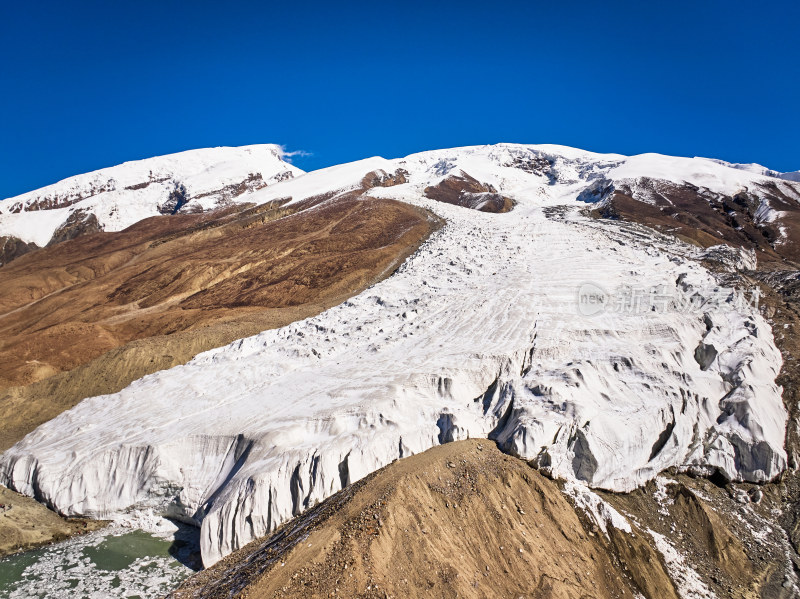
122,195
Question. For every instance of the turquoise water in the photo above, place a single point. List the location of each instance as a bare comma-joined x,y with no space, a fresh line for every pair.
112,562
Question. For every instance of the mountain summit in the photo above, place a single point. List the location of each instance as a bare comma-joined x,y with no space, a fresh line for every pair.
112,199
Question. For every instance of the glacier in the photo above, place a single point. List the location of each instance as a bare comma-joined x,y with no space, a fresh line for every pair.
483,332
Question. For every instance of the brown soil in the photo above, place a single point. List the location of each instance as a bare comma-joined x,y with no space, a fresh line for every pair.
459,520
26,524
88,316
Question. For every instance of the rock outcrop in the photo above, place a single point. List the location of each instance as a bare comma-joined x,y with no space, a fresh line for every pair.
13,247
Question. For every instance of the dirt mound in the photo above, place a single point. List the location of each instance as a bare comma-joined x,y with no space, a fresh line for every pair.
88,316
26,524
459,520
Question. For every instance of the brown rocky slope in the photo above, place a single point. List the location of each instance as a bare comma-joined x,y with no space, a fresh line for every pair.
459,520
25,524
88,316
465,520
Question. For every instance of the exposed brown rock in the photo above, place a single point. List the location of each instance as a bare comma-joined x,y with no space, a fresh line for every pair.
53,201
706,534
253,182
533,163
145,184
383,179
704,218
78,223
13,247
468,192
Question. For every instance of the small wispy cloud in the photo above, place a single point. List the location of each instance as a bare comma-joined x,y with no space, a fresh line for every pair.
287,155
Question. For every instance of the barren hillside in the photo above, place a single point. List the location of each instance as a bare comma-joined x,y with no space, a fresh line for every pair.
90,315
465,520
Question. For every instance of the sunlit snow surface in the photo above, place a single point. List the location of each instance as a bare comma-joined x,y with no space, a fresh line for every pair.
122,195
480,333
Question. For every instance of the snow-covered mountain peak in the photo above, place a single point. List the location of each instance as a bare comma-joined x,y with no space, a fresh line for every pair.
114,198
550,172
525,169
119,196
759,169
715,175
333,179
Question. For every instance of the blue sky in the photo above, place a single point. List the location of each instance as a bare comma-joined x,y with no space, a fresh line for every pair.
84,85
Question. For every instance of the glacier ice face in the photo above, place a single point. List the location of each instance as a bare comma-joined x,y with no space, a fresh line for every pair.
601,351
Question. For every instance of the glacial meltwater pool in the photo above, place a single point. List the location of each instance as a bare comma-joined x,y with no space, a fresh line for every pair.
108,563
